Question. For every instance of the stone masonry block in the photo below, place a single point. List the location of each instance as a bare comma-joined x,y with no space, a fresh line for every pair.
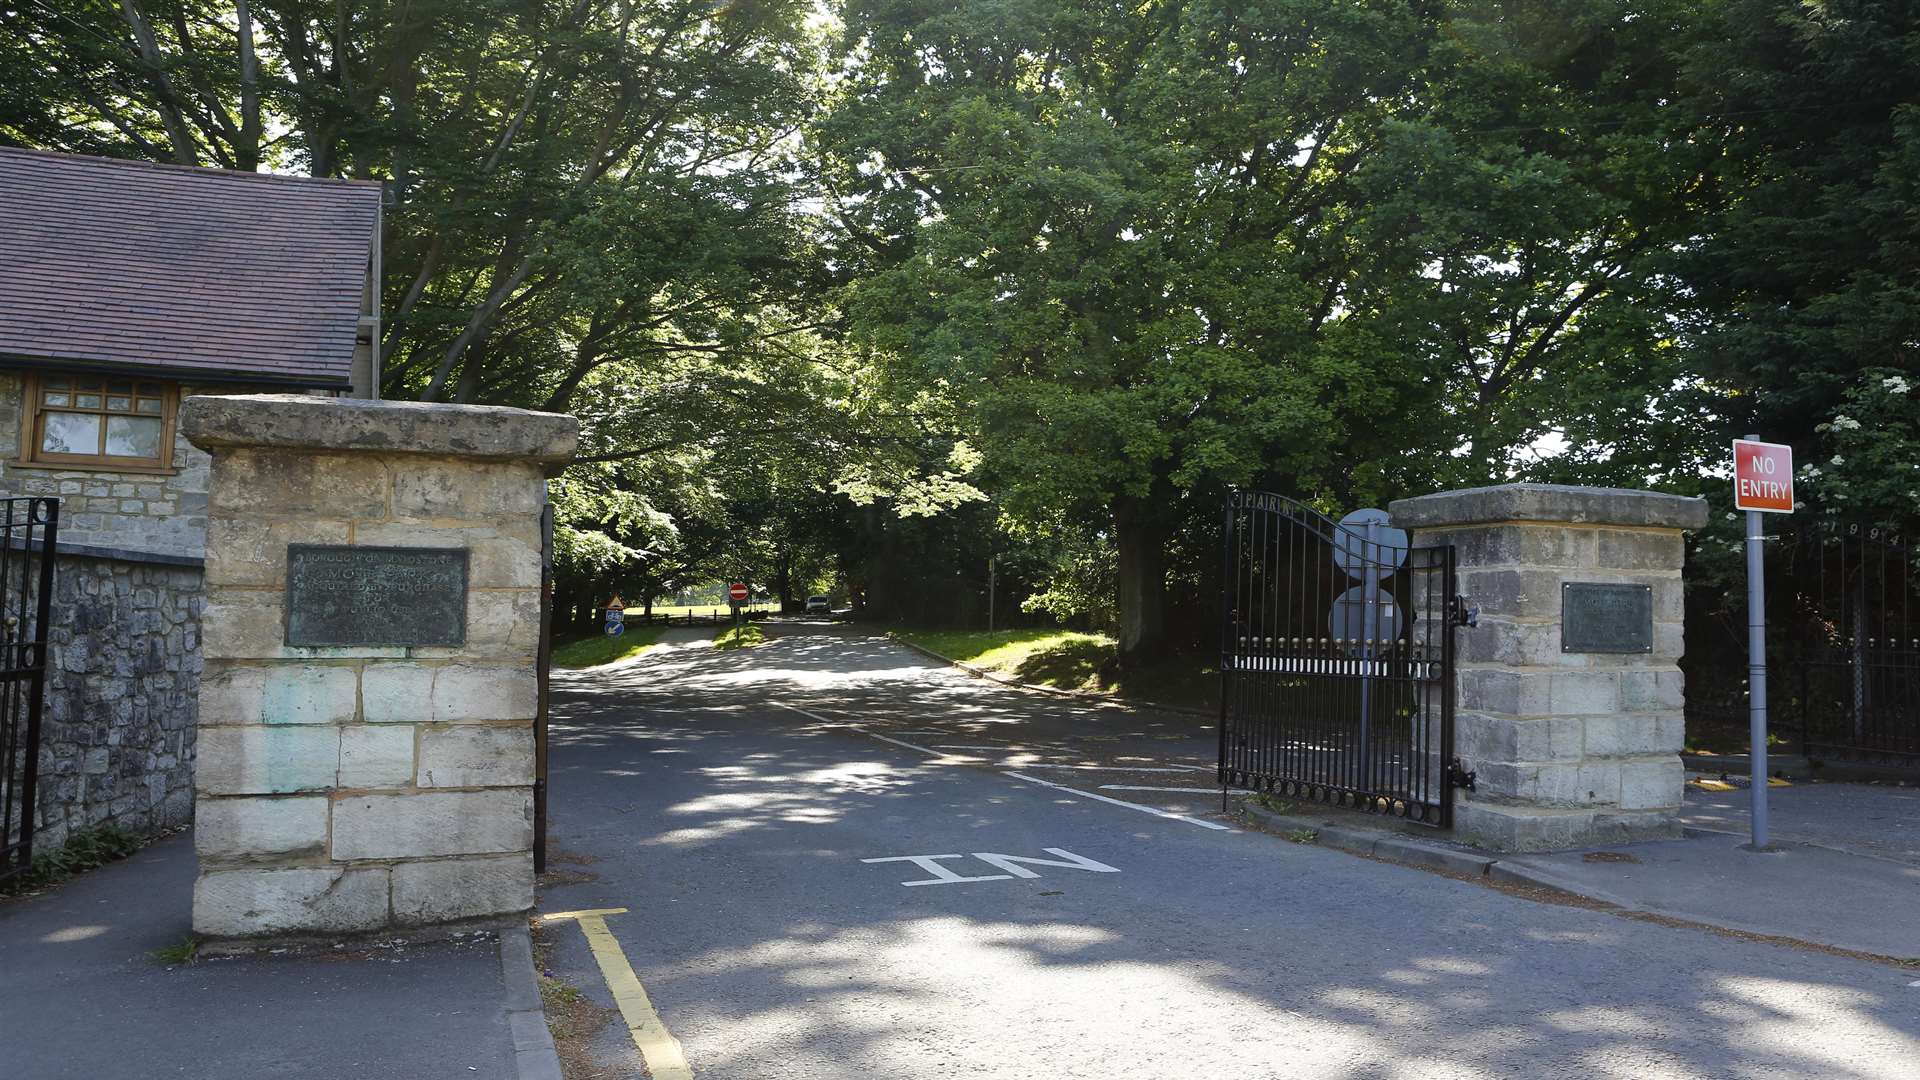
242,623
1512,644
433,824
1633,549
443,488
1650,785
449,693
1653,691
377,756
443,890
230,694
503,623
393,692
1544,545
471,692
1482,738
227,830
299,484
503,556
267,760
1496,690
247,550
467,755
309,694
251,902
1522,594
1579,693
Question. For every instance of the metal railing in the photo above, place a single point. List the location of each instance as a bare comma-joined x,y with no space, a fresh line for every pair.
28,532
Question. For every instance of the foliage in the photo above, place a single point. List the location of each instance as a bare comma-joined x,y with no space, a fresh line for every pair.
85,849
600,650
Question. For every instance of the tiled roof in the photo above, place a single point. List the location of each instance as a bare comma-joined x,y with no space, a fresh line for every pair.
133,264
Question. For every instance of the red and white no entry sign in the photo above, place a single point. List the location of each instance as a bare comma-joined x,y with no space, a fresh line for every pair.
1762,476
737,591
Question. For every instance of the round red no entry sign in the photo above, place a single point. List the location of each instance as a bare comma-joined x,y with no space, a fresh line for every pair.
737,591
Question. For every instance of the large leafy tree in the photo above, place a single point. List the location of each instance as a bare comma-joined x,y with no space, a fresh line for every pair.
1121,235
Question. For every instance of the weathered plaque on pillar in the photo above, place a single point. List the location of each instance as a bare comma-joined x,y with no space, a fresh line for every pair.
1599,618
344,595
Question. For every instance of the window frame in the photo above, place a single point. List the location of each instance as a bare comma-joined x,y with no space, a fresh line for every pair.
33,409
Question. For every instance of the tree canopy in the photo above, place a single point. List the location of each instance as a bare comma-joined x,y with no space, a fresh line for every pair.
874,292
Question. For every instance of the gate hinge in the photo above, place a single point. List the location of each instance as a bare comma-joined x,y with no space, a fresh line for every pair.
1459,776
1464,614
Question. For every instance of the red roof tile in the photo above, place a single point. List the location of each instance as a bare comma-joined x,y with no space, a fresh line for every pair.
135,264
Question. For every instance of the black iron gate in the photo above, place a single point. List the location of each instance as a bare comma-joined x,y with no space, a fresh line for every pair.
27,536
1336,663
1847,634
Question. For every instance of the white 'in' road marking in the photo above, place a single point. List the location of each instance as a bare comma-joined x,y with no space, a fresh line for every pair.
1010,863
1155,811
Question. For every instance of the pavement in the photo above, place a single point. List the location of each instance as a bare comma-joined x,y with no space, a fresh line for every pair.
83,997
829,857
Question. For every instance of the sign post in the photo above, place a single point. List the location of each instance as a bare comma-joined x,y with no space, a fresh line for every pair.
616,618
1762,484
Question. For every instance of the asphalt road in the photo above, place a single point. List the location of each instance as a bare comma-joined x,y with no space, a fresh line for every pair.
735,803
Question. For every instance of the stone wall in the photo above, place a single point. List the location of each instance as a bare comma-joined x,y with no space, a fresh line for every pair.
357,788
123,673
1569,747
142,511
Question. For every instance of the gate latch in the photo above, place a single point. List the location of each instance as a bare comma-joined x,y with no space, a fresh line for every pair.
1464,614
1459,776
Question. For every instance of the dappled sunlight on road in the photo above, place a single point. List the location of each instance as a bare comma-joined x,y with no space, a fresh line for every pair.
748,828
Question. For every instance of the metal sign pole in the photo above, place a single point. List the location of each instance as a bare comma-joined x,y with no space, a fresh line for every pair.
1369,630
1757,671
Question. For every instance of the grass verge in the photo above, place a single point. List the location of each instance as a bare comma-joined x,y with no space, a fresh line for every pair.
739,637
600,649
1071,660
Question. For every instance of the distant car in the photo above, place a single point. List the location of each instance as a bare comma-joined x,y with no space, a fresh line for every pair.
819,605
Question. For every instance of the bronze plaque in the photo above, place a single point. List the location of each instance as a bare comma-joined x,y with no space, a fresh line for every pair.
344,595
1606,618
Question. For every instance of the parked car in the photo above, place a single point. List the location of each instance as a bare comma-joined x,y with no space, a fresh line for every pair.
819,605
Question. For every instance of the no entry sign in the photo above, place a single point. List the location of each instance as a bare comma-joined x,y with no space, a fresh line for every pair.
1762,476
737,592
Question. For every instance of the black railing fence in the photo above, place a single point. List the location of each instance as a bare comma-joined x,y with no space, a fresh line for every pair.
1336,662
28,531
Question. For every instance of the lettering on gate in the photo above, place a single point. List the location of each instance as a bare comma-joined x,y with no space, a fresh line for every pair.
340,594
1014,865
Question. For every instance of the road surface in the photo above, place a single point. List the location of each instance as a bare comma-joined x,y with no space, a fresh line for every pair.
837,860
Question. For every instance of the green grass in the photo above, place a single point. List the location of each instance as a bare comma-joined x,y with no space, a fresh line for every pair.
182,953
1071,660
600,649
739,637
678,610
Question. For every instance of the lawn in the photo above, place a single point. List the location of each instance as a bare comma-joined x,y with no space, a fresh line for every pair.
739,637
600,649
1070,660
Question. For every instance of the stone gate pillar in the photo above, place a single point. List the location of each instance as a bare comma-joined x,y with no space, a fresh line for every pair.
372,613
1569,699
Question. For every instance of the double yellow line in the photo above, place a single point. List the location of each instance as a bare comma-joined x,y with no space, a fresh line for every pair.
661,1051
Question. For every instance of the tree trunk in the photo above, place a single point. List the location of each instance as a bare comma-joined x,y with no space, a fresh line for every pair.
1142,578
